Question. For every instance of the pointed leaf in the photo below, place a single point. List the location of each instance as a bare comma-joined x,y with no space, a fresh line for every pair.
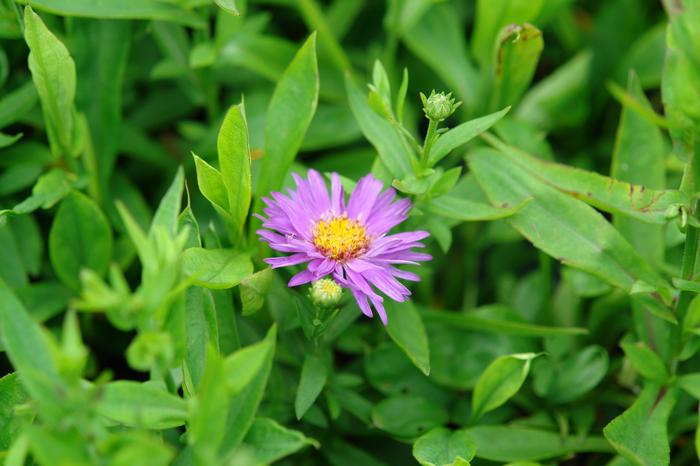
405,327
313,378
53,72
640,433
216,268
234,162
290,112
499,382
441,447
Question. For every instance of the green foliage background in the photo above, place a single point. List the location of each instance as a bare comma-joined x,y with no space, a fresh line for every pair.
556,324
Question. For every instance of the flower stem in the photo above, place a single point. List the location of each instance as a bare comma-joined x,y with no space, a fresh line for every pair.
428,144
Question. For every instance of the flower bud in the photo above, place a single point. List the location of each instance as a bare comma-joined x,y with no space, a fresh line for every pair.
325,293
439,106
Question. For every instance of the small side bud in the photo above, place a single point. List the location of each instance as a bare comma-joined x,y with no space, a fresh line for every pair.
438,106
672,212
325,293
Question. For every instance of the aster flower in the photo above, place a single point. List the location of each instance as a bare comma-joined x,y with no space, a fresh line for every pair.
348,242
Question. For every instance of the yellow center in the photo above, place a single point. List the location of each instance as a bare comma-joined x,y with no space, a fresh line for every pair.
340,238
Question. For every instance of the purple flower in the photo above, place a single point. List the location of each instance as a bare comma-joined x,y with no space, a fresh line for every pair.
348,242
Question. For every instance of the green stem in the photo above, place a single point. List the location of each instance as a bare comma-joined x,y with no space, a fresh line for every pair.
688,266
429,140
689,184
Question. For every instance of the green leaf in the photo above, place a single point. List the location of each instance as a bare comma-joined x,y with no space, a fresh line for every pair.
6,140
208,412
29,241
80,238
144,405
639,434
241,367
518,51
13,271
645,361
469,211
216,268
14,105
441,447
314,374
126,9
691,384
11,395
560,99
492,16
392,149
566,380
100,98
639,157
211,185
254,289
563,227
680,83
234,162
49,444
50,188
226,321
53,72
408,416
271,441
201,330
289,114
244,405
228,5
499,382
138,448
28,350
513,443
462,134
405,327
602,192
166,216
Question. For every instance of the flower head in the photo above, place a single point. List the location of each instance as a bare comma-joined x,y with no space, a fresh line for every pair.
438,106
348,242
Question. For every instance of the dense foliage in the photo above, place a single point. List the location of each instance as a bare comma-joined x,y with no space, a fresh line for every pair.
558,321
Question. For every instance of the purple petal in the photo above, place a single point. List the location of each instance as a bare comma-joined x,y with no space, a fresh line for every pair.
362,303
379,306
301,278
294,259
337,195
363,198
405,275
319,192
388,285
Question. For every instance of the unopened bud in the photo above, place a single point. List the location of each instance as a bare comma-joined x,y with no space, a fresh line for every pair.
439,106
326,292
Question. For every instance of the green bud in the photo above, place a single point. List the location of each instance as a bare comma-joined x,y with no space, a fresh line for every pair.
325,293
439,106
